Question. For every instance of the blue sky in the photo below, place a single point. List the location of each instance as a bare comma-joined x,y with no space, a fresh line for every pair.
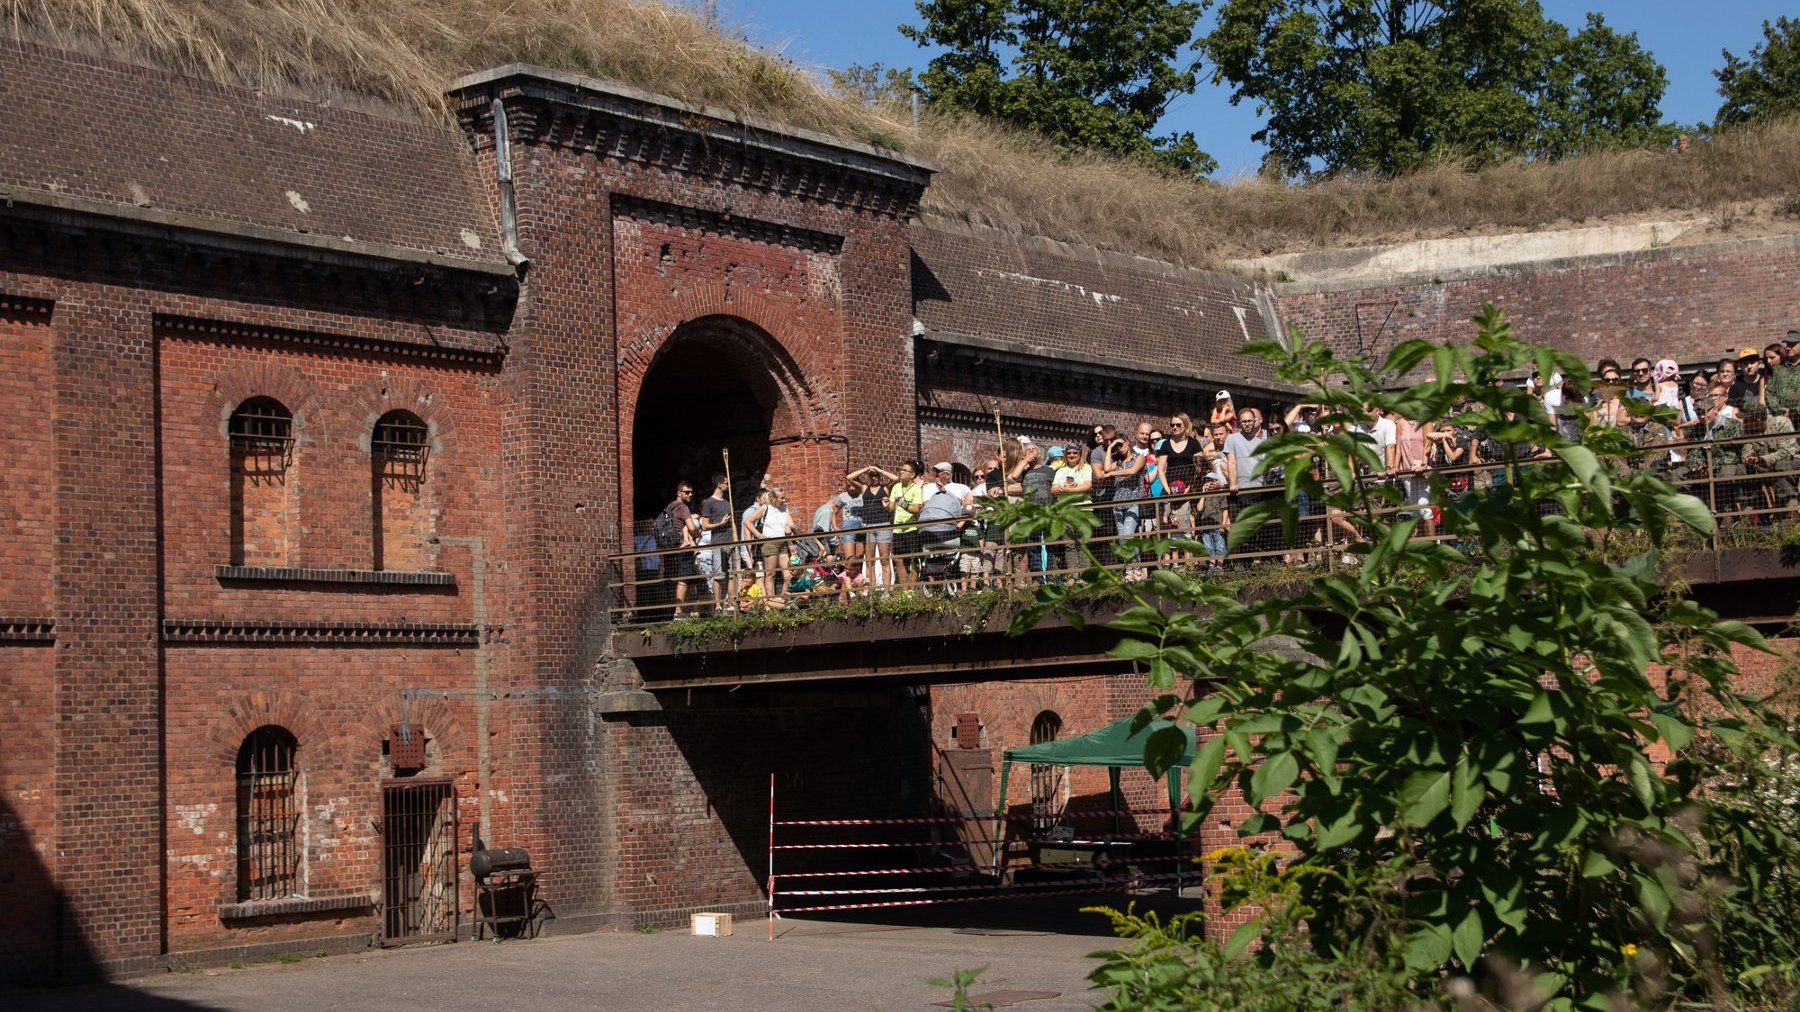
1685,36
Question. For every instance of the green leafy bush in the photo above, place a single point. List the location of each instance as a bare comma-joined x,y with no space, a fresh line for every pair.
1463,740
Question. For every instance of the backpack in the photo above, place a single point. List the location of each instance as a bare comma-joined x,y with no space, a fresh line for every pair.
663,528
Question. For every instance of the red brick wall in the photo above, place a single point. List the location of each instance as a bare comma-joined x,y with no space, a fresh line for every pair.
691,790
25,510
335,401
1007,711
1692,304
338,703
605,300
28,830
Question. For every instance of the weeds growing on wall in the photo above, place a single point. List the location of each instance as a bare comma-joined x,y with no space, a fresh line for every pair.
1493,760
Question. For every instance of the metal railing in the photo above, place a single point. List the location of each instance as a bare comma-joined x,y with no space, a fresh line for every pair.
1749,481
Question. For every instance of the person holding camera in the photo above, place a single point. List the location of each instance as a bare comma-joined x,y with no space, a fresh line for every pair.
1125,464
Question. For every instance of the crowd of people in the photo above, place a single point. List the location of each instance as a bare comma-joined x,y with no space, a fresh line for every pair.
918,525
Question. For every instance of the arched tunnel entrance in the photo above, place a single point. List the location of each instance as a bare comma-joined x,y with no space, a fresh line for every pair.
704,394
722,383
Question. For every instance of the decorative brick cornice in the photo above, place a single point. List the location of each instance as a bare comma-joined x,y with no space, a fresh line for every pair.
750,229
371,634
294,574
27,630
202,329
624,124
21,309
978,422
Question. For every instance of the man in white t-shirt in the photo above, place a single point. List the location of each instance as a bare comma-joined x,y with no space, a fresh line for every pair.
940,482
1386,437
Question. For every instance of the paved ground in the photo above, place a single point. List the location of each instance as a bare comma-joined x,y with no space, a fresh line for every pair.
812,964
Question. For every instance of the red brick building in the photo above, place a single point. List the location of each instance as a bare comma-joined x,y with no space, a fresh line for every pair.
320,428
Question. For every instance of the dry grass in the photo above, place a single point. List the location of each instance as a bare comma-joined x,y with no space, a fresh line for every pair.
399,54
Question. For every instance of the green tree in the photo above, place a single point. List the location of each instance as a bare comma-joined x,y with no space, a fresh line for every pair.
1385,85
1460,738
1768,83
1085,73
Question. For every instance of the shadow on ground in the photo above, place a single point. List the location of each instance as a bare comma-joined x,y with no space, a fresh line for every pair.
94,998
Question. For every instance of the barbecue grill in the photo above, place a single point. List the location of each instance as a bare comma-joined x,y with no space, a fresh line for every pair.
505,890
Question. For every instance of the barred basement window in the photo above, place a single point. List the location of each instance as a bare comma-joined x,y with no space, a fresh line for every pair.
262,437
401,446
268,817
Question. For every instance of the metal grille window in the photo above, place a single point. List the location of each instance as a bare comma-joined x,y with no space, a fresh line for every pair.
1046,781
262,436
268,816
401,445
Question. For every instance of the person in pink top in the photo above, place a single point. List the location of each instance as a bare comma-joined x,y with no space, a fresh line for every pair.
1411,459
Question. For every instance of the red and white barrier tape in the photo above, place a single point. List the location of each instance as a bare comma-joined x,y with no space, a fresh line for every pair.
951,868
943,820
1110,885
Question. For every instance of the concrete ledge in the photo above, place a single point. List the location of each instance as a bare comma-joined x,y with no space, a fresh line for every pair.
626,701
291,905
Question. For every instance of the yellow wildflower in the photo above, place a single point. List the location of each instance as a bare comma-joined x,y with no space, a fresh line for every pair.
1628,949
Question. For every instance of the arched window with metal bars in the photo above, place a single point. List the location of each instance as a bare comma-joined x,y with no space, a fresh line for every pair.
268,815
1047,782
399,452
261,436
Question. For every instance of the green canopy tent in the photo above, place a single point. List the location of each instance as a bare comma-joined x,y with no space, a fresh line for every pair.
1114,746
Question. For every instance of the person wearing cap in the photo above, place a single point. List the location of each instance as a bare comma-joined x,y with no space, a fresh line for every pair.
943,480
1223,410
1748,387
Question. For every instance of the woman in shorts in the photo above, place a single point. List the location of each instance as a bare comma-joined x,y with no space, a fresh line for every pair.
769,524
847,505
878,544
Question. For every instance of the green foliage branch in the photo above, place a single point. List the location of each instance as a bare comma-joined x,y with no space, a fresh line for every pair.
1466,732
1085,73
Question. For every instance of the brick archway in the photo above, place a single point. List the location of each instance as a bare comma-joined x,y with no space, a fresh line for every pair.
716,382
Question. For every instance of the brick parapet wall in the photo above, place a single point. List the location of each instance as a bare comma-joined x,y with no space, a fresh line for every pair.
1693,304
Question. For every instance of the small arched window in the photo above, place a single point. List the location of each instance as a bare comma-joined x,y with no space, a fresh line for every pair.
268,815
401,444
261,433
399,449
1047,782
